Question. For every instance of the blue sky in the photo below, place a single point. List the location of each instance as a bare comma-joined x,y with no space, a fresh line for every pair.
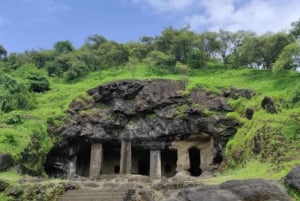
34,24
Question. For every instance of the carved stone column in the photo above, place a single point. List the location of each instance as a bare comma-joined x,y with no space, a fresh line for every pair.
183,160
155,164
125,161
207,157
96,159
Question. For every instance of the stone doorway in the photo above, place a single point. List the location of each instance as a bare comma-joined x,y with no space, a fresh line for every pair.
194,156
169,162
141,162
111,158
83,159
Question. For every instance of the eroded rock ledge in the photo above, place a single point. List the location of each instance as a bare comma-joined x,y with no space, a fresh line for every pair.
150,115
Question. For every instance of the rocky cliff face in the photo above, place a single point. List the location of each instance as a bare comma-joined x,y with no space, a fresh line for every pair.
151,114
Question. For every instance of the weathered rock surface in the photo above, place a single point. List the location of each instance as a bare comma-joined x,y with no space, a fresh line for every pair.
269,105
238,93
249,113
292,179
255,189
244,190
6,161
142,190
151,114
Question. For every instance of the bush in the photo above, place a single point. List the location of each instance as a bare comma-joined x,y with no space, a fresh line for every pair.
197,59
38,83
14,118
76,70
14,95
182,69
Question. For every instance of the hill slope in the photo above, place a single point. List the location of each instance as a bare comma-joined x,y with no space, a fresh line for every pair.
265,146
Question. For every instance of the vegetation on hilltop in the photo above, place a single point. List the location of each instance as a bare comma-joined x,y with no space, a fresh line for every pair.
36,87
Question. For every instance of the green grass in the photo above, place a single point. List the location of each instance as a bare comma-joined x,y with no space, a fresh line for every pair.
253,170
51,106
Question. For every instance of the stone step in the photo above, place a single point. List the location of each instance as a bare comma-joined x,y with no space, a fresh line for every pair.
97,195
92,199
95,191
93,194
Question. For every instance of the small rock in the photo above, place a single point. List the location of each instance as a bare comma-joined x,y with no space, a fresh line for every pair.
70,186
139,179
6,161
249,113
256,143
269,105
292,179
3,185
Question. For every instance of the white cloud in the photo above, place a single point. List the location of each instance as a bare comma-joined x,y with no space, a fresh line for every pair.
255,15
47,5
162,6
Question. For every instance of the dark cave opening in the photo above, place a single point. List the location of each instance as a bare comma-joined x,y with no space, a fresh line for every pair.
111,158
141,162
194,155
169,162
83,160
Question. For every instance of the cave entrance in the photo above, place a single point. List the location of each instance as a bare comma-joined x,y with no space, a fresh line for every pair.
111,158
194,155
140,162
83,159
169,162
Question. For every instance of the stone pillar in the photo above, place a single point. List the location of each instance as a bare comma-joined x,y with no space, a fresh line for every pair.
206,156
125,161
183,160
155,164
96,159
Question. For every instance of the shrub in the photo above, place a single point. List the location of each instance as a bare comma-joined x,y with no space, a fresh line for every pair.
38,83
182,69
14,118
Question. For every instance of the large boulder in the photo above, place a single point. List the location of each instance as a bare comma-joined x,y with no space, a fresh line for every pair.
234,190
292,179
6,161
256,189
209,193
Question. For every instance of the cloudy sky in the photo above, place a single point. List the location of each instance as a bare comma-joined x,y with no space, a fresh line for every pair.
35,24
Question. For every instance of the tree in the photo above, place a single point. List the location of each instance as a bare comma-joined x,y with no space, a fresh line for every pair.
95,41
262,51
62,47
289,58
295,31
39,58
3,52
176,43
209,43
226,46
158,58
14,60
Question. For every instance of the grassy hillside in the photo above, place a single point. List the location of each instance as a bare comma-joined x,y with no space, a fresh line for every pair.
28,140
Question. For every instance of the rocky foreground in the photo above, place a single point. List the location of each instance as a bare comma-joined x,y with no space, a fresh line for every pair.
142,188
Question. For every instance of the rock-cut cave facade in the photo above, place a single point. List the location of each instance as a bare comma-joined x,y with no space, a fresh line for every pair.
146,127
